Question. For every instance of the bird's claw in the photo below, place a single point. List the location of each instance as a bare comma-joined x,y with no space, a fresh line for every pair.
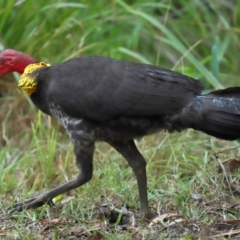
30,203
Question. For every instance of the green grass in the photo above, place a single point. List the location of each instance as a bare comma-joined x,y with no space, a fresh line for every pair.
197,39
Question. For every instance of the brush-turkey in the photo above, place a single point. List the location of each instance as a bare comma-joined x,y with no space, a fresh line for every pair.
102,99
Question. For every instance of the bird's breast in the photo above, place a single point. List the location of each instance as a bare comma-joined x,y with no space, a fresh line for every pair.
115,129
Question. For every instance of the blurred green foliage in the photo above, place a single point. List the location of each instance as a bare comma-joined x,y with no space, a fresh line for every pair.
172,34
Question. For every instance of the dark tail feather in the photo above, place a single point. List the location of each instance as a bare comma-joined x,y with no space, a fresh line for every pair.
218,113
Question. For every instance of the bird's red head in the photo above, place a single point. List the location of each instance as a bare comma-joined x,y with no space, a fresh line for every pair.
14,61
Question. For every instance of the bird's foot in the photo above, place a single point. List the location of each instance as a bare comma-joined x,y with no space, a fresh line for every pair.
30,203
148,215
47,196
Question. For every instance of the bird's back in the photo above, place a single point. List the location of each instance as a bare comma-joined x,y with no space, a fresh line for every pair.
102,88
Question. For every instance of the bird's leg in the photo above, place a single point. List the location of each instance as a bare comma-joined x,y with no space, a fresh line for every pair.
129,150
84,157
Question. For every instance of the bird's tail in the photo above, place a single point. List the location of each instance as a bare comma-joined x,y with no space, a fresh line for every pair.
217,113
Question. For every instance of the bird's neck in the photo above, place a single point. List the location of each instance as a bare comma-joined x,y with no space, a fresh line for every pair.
20,63
28,81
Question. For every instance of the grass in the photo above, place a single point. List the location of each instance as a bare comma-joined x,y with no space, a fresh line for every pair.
186,179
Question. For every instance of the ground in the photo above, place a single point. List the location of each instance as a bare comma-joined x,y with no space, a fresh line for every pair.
192,200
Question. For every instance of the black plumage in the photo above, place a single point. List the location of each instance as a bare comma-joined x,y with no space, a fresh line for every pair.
101,99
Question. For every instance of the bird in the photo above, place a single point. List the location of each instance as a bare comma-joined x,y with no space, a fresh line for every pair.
114,101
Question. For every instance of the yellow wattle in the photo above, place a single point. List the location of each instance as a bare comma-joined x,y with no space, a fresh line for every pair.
27,82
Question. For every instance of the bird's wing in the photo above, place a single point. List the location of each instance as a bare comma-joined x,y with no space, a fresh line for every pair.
102,88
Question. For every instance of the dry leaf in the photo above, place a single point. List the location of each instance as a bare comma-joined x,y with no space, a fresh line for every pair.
231,164
230,233
161,218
